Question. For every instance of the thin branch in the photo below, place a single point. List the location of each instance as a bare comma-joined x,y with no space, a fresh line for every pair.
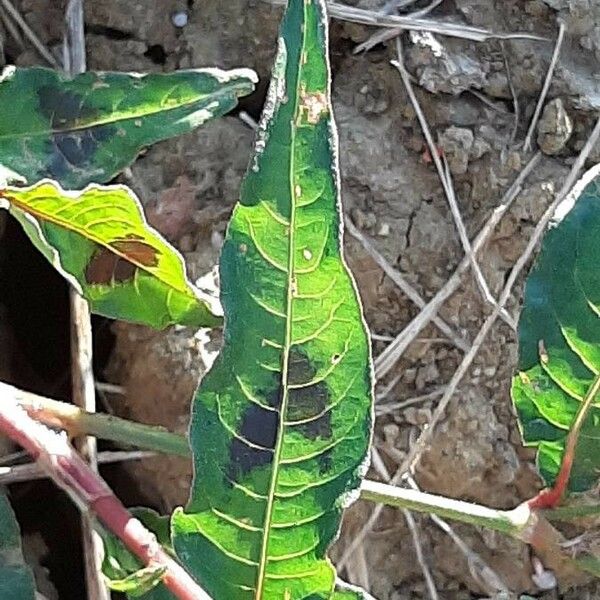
385,409
399,280
369,17
92,495
32,472
77,421
84,393
412,526
480,570
385,34
29,33
446,181
392,6
388,358
546,87
414,532
513,93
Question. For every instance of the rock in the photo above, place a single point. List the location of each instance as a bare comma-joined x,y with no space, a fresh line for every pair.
555,127
440,69
457,142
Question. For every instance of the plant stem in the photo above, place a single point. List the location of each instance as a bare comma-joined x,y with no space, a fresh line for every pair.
89,491
511,522
79,422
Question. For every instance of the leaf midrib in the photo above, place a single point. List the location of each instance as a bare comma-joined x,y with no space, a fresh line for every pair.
140,115
263,560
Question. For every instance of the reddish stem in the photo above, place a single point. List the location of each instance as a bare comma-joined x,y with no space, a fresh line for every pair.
90,492
551,497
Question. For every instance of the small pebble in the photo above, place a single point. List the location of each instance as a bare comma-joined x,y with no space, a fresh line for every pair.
179,18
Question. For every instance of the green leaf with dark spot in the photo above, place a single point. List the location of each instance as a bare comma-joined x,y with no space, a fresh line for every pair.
100,241
16,579
89,128
125,573
559,339
282,423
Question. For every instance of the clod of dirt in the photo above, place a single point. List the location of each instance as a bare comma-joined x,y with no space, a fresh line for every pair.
456,143
555,127
173,212
440,69
160,372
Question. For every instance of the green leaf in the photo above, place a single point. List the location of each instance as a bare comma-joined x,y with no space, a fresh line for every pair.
89,128
559,339
16,579
125,573
282,423
100,241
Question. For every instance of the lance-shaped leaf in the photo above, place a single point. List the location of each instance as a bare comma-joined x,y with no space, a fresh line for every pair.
16,579
100,241
89,128
281,425
559,339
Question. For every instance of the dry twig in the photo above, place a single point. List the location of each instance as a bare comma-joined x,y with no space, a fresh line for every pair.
412,527
84,393
387,359
446,180
480,570
369,17
383,34
32,471
513,93
399,280
545,88
14,14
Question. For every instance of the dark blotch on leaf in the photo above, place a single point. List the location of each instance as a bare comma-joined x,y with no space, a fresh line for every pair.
308,402
138,252
274,397
300,371
325,462
75,149
259,426
73,141
63,108
107,267
243,458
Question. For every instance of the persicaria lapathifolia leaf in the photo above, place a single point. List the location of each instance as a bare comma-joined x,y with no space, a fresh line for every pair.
559,340
281,425
100,241
16,579
89,128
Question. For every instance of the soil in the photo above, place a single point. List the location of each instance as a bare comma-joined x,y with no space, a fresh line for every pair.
392,193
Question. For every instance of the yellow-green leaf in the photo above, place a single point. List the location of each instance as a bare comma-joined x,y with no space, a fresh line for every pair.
100,241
